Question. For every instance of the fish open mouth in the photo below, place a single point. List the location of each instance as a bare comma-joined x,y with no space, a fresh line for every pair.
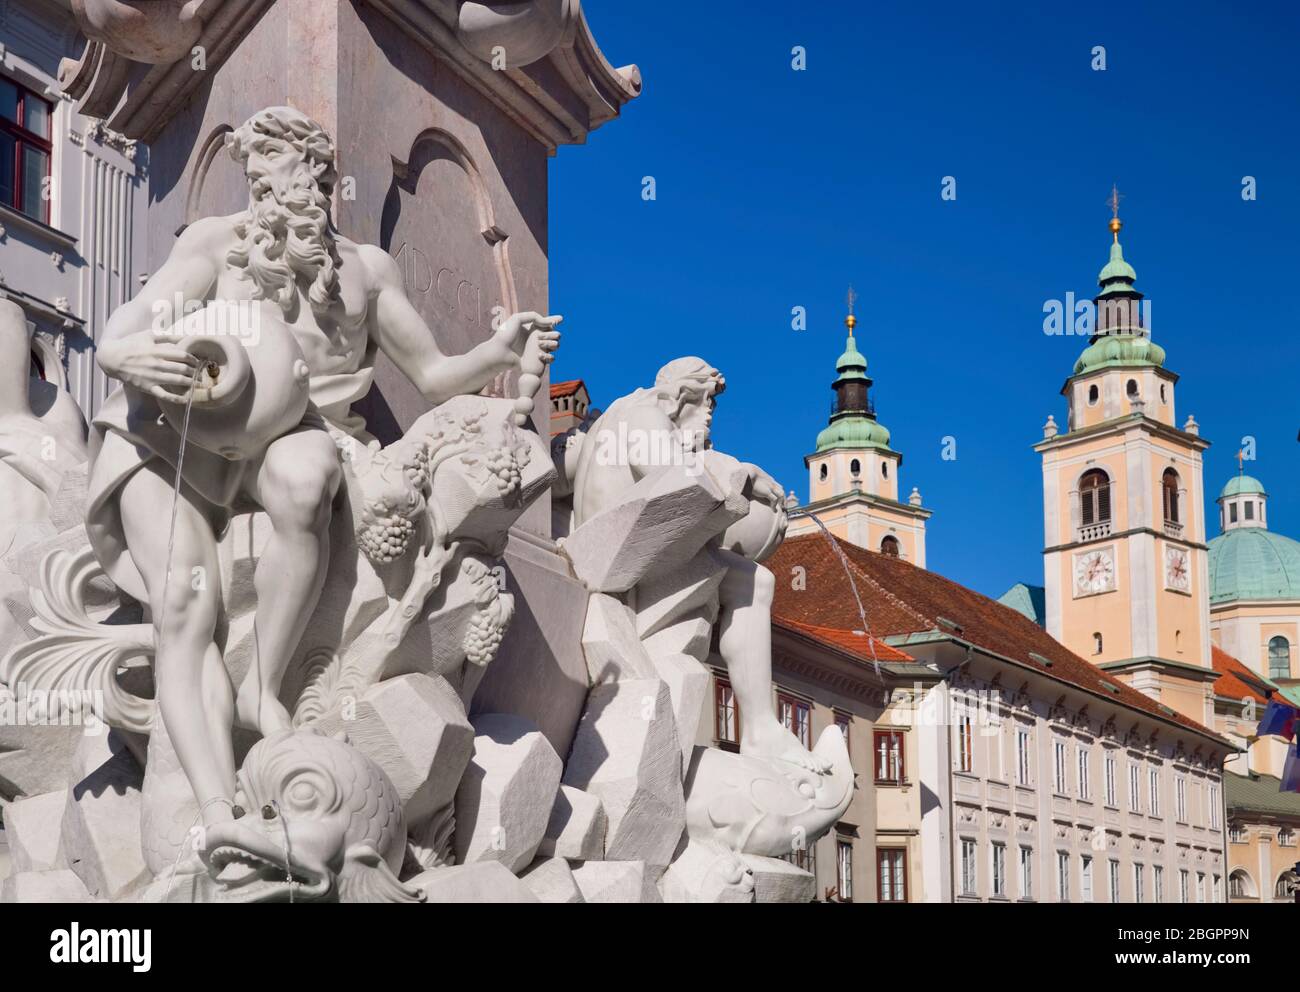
248,868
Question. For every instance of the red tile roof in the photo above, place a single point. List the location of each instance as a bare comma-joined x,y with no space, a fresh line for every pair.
567,388
901,599
853,642
1236,681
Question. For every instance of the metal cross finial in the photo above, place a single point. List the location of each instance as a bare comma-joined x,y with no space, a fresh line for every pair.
852,298
1113,202
1241,461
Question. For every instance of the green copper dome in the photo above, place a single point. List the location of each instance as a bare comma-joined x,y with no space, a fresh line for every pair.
853,432
1120,351
852,364
1253,563
1118,276
1240,485
853,418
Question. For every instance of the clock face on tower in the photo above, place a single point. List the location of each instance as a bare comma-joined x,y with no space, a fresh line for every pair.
1094,572
1178,569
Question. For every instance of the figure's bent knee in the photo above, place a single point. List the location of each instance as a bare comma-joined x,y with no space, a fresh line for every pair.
299,488
764,583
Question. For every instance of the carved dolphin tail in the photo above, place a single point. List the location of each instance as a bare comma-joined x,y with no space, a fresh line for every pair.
74,661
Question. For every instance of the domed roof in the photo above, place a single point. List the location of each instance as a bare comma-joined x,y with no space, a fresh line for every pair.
1239,485
1116,270
853,432
1253,563
1120,350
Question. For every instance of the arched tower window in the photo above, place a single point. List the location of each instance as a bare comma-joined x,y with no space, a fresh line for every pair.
1169,489
1094,394
1279,658
823,473
884,469
1094,497
855,467
889,546
1132,388
1096,642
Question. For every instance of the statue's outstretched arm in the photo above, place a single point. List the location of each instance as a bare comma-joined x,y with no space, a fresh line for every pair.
403,336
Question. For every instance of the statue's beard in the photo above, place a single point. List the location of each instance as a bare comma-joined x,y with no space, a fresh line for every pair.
286,235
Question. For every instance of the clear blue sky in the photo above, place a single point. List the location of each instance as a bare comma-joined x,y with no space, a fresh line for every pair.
778,188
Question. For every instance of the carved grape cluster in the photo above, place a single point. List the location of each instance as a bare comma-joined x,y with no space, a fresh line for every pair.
385,536
483,637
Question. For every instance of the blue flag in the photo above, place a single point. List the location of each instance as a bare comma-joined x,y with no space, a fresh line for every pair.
1279,720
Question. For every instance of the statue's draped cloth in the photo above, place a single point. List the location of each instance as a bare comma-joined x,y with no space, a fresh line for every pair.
130,432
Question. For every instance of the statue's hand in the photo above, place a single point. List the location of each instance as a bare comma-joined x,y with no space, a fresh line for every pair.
151,362
533,339
764,487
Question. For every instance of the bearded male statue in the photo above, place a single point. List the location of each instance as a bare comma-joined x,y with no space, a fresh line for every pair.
667,429
341,303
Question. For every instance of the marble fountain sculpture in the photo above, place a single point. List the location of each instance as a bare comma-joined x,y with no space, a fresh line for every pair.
253,634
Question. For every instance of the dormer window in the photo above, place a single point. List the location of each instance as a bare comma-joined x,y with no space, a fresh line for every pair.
889,546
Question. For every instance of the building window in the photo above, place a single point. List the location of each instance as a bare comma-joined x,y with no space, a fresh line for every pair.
1094,394
726,714
884,469
1158,882
1059,778
1096,642
823,473
844,869
1024,757
1131,387
1180,799
1236,833
965,743
1216,890
968,877
1110,780
1214,807
1000,870
1062,876
1138,894
796,716
804,857
24,150
889,756
1286,885
1134,789
855,468
1182,886
844,722
1085,778
1114,880
1026,873
1200,886
1286,837
889,546
1237,885
1085,873
1169,491
1094,497
1250,509
1279,658
1155,791
891,872
1232,513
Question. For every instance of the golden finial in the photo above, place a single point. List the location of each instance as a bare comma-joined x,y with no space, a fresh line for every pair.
851,321
1113,203
1241,461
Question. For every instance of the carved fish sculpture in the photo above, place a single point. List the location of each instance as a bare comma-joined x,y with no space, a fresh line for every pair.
323,823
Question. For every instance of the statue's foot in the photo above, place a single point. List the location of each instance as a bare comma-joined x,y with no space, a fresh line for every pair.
260,711
775,743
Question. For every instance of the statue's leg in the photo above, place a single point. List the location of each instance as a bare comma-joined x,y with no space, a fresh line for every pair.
745,643
193,688
296,485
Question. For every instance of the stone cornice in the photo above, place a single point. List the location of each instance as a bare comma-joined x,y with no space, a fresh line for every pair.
558,100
